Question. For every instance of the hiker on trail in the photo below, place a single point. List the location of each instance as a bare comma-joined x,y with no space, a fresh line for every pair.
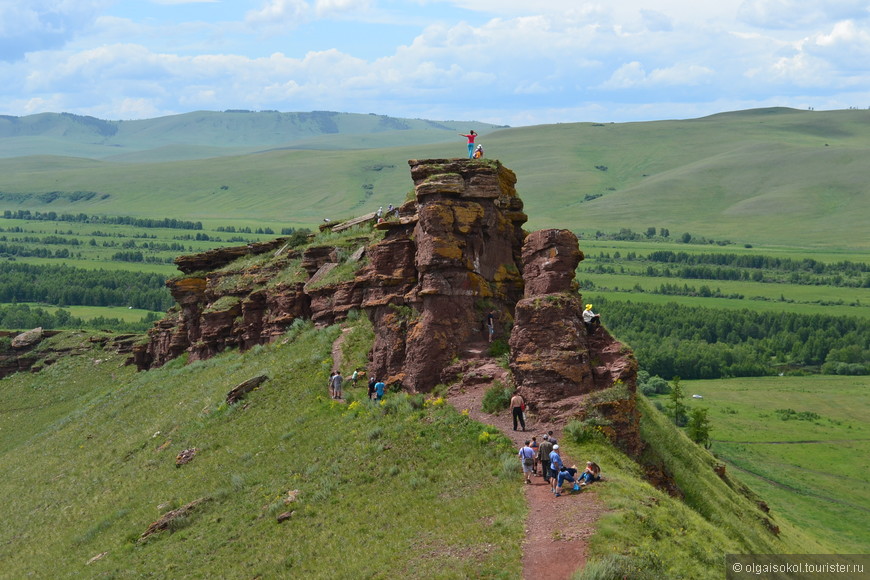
534,445
372,381
544,456
490,327
471,135
337,380
555,467
590,474
330,385
591,320
379,390
354,376
527,459
518,405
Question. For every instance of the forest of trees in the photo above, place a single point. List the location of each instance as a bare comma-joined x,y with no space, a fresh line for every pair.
67,286
704,343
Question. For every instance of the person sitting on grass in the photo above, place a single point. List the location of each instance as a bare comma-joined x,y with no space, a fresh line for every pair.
590,474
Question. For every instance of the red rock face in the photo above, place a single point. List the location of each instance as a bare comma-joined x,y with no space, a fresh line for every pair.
556,364
466,240
454,254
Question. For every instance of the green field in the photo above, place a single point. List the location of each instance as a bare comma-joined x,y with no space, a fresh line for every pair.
812,469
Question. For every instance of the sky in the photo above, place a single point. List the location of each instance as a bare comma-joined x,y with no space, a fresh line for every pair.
508,62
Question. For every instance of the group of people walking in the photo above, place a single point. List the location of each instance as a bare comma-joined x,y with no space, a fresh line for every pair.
547,456
336,382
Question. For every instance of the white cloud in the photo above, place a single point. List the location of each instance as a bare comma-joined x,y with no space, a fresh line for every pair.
42,24
799,14
632,75
279,14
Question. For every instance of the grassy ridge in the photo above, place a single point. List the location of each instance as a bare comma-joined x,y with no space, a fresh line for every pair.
750,177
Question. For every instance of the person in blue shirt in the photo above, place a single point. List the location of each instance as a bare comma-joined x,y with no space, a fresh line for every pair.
555,467
379,390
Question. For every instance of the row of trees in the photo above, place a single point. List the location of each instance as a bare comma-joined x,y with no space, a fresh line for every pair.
169,223
23,317
702,343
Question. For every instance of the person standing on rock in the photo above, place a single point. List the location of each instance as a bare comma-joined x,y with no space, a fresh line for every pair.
518,405
555,467
527,459
337,380
471,135
490,327
544,456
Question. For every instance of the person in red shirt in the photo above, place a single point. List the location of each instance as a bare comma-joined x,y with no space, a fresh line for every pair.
471,135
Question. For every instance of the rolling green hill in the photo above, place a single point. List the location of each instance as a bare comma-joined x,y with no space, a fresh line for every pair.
770,177
203,134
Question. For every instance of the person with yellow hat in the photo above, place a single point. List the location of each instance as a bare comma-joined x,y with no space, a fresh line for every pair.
591,320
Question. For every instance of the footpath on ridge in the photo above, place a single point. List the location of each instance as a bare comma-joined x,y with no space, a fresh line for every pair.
557,528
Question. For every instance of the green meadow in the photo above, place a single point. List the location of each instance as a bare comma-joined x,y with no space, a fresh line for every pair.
802,443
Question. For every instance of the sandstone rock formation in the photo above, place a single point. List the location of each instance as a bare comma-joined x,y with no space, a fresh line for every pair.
451,256
454,263
555,363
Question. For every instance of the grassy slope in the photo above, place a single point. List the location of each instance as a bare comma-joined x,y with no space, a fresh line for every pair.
381,488
764,177
652,535
89,450
812,471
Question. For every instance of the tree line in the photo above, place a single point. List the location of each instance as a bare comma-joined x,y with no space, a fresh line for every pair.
718,266
704,343
63,285
170,223
24,317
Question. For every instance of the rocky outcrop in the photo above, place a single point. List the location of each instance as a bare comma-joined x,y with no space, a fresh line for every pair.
451,265
36,349
556,364
449,258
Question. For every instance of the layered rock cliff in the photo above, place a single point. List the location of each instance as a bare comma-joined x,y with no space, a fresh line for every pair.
428,277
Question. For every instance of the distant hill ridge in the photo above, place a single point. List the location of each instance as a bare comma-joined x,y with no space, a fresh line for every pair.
85,136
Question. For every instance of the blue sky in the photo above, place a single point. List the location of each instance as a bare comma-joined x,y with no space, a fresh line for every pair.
512,62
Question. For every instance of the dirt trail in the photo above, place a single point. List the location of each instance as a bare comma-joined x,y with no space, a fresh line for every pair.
557,528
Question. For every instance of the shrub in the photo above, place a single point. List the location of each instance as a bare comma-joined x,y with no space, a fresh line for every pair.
498,348
586,431
496,398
